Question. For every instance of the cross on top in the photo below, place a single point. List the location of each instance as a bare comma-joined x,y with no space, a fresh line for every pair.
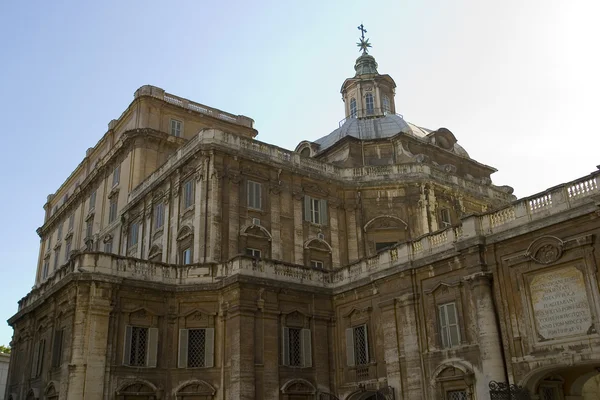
364,44
362,29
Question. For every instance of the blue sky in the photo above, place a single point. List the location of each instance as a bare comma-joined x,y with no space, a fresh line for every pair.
515,81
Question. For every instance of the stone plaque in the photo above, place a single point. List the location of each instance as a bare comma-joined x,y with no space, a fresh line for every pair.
560,303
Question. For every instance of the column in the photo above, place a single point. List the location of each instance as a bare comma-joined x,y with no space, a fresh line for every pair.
488,338
167,231
174,221
197,253
412,351
391,353
214,215
352,234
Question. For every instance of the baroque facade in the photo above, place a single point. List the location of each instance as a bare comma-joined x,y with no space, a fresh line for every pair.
184,259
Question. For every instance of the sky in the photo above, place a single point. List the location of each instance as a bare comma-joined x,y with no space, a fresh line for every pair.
516,81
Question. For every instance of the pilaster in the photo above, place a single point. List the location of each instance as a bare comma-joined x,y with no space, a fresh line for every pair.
391,353
412,351
297,199
275,201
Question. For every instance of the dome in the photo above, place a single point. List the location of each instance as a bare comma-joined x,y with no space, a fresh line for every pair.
372,128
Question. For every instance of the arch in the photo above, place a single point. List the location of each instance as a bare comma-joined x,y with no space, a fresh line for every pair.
244,231
532,379
137,387
194,387
184,232
307,244
50,391
464,366
363,394
32,394
155,250
379,217
578,384
298,386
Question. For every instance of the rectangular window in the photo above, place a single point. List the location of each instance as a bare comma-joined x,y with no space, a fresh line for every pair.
159,215
49,243
45,269
316,264
186,256
116,176
315,210
253,253
67,250
383,245
134,230
57,348
112,209
71,221
254,195
92,203
196,348
141,345
38,358
89,228
108,247
357,345
59,233
56,258
296,347
449,330
188,194
445,218
456,395
176,128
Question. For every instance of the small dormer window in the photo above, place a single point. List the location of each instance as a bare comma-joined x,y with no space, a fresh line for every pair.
386,105
353,108
369,103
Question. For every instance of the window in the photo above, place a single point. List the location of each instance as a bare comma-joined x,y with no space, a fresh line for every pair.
141,346
353,112
315,210
379,246
445,217
253,253
134,230
357,345
57,347
56,258
296,347
71,221
38,358
112,209
45,269
176,128
386,105
456,395
449,325
92,203
186,256
369,104
254,195
89,228
116,175
67,250
59,233
196,348
108,247
49,243
316,264
188,194
159,215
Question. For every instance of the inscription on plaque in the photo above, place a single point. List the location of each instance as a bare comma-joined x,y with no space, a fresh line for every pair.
560,303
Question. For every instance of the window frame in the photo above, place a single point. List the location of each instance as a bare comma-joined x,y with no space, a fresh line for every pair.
445,326
305,347
116,178
252,252
314,264
176,130
188,189
45,268
159,215
133,234
71,222
315,210
186,251
252,187
183,353
112,209
352,346
387,108
353,108
150,351
369,104
92,201
68,244
445,217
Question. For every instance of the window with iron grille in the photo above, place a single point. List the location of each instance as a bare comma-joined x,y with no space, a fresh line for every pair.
357,345
116,175
57,347
159,215
369,104
176,128
139,342
456,395
296,347
112,209
196,348
188,194
254,195
449,330
315,210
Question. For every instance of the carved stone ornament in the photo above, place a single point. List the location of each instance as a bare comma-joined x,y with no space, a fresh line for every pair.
545,250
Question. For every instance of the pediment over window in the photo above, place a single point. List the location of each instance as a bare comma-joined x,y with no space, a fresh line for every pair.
137,388
256,231
298,386
194,387
358,313
317,244
442,288
296,318
385,222
154,251
184,232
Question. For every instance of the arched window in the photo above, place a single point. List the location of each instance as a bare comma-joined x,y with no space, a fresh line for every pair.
369,104
386,105
353,108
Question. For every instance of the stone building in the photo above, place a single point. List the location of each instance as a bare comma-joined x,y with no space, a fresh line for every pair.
184,259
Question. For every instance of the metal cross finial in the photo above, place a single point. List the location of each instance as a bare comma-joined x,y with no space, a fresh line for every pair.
362,29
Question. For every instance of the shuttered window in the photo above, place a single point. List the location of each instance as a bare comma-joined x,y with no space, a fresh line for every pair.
176,128
296,347
449,330
38,358
357,345
57,348
196,348
141,346
254,195
315,210
188,194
